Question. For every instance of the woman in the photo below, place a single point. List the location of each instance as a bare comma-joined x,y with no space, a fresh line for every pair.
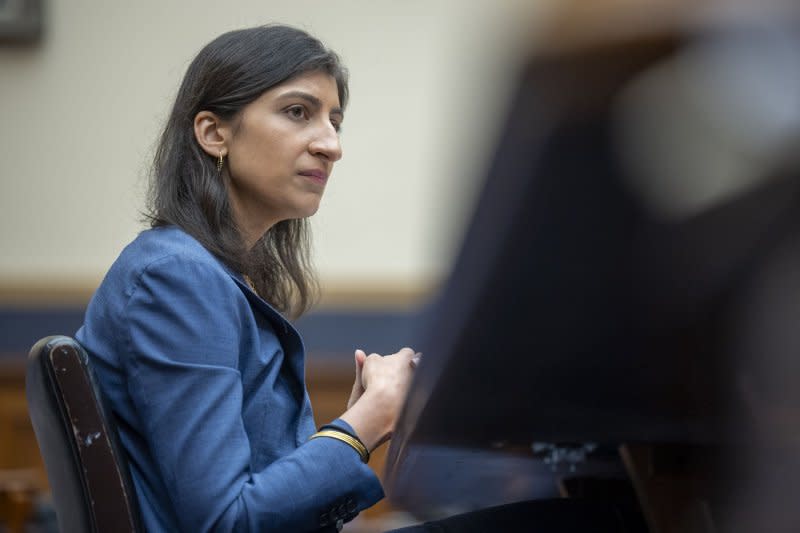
187,331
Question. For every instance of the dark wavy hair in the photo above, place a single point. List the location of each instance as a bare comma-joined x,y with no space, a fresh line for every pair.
187,191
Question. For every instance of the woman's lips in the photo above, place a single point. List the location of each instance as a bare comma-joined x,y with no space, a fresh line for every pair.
316,175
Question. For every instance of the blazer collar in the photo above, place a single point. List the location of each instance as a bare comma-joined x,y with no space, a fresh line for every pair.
257,301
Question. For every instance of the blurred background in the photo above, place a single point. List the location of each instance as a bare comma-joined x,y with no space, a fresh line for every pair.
700,126
84,104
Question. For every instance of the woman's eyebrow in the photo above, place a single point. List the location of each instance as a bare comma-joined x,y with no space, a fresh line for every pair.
311,99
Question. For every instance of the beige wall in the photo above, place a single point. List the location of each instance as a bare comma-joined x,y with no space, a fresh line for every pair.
81,110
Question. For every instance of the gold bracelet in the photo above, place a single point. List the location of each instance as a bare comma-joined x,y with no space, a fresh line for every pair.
344,437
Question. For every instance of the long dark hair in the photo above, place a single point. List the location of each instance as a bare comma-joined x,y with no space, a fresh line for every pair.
187,191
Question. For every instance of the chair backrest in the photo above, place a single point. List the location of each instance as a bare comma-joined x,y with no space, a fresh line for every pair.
86,467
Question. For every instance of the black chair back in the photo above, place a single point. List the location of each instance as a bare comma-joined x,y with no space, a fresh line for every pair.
86,466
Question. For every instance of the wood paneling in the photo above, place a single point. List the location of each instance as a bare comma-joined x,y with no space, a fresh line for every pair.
18,448
378,295
22,475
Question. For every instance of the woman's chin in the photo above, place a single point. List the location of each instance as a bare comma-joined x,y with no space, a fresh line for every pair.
306,211
312,208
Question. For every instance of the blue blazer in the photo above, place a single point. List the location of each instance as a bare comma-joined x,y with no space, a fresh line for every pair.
207,384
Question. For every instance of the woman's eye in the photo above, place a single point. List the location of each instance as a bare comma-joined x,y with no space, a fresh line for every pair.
336,126
297,112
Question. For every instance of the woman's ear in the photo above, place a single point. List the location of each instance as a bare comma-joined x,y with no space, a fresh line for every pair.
211,134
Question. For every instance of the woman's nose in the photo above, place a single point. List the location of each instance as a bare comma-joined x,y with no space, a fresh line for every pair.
326,143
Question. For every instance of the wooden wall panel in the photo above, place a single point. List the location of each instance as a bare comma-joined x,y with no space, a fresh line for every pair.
18,448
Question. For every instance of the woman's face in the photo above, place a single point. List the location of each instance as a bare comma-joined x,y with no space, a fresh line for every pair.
281,152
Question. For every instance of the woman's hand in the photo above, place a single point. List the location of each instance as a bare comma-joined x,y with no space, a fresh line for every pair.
358,387
379,394
388,374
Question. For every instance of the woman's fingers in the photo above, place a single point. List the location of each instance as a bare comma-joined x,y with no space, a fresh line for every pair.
413,357
385,380
358,386
360,357
394,368
406,352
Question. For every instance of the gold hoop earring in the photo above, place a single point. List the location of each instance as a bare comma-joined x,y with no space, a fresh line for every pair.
220,162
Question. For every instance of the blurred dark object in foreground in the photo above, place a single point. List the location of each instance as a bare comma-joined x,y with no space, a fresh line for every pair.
626,302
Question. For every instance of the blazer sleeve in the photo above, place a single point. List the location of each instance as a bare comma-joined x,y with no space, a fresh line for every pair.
184,323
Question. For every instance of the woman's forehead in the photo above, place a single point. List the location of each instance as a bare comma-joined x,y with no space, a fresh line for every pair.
318,86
